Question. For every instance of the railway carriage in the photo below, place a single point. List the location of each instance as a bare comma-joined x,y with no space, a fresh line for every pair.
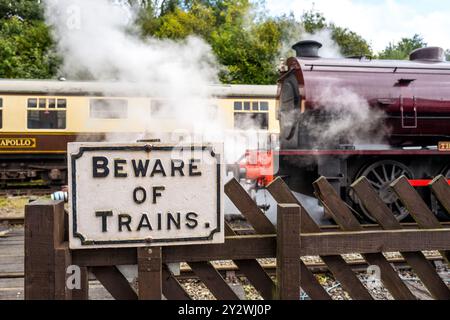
39,118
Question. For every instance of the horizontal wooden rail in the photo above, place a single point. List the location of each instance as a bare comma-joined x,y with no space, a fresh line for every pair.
374,241
264,246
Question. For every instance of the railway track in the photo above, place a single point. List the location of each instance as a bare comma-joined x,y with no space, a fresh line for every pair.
359,265
28,192
13,221
225,270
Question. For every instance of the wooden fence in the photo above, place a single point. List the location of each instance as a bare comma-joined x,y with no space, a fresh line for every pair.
47,253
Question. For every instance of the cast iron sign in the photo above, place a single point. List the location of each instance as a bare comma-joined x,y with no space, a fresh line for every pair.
145,195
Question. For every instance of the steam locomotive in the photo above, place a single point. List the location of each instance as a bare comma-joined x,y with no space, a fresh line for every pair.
352,117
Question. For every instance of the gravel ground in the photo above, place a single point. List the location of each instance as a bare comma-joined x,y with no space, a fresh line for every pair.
245,290
12,207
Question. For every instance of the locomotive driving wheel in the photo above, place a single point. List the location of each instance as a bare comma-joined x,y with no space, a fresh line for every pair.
380,175
447,173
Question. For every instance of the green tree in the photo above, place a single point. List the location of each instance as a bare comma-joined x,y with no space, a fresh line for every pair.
247,45
402,49
26,45
245,42
313,21
350,43
25,50
180,23
24,9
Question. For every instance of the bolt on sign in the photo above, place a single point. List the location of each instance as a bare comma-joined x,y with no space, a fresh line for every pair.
145,195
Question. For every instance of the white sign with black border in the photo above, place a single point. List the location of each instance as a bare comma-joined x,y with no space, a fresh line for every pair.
140,194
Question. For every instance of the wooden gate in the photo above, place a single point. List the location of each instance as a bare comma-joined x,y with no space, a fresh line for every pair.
47,254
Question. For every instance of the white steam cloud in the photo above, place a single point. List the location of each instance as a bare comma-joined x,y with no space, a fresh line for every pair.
345,117
294,32
98,40
350,119
330,49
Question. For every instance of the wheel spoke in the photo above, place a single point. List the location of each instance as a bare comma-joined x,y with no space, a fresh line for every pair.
385,173
378,176
399,208
376,185
394,169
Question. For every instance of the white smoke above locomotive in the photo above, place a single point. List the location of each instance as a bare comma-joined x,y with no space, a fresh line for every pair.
99,40
349,118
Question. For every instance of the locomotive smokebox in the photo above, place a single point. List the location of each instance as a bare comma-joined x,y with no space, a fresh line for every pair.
307,49
430,54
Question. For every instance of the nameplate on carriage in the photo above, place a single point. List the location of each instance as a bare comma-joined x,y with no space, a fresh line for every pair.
11,143
143,194
444,146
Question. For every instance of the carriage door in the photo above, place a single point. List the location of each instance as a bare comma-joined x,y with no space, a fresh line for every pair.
408,107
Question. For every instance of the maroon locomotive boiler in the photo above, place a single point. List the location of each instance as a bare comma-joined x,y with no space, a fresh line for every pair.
414,95
352,117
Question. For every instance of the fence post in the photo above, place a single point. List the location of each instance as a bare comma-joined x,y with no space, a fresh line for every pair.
149,273
288,252
44,251
83,292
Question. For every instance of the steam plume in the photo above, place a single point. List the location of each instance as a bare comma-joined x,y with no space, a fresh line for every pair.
98,40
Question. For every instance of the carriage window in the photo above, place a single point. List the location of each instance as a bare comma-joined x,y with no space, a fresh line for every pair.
62,103
246,121
251,105
52,103
108,109
264,106
46,119
32,103
42,103
43,117
237,105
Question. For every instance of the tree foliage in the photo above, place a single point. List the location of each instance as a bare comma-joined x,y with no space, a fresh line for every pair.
402,49
245,43
23,9
349,42
245,39
25,41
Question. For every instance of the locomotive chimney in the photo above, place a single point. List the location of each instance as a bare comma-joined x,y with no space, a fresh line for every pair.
307,49
429,54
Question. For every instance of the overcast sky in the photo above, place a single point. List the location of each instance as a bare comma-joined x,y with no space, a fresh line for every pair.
380,21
